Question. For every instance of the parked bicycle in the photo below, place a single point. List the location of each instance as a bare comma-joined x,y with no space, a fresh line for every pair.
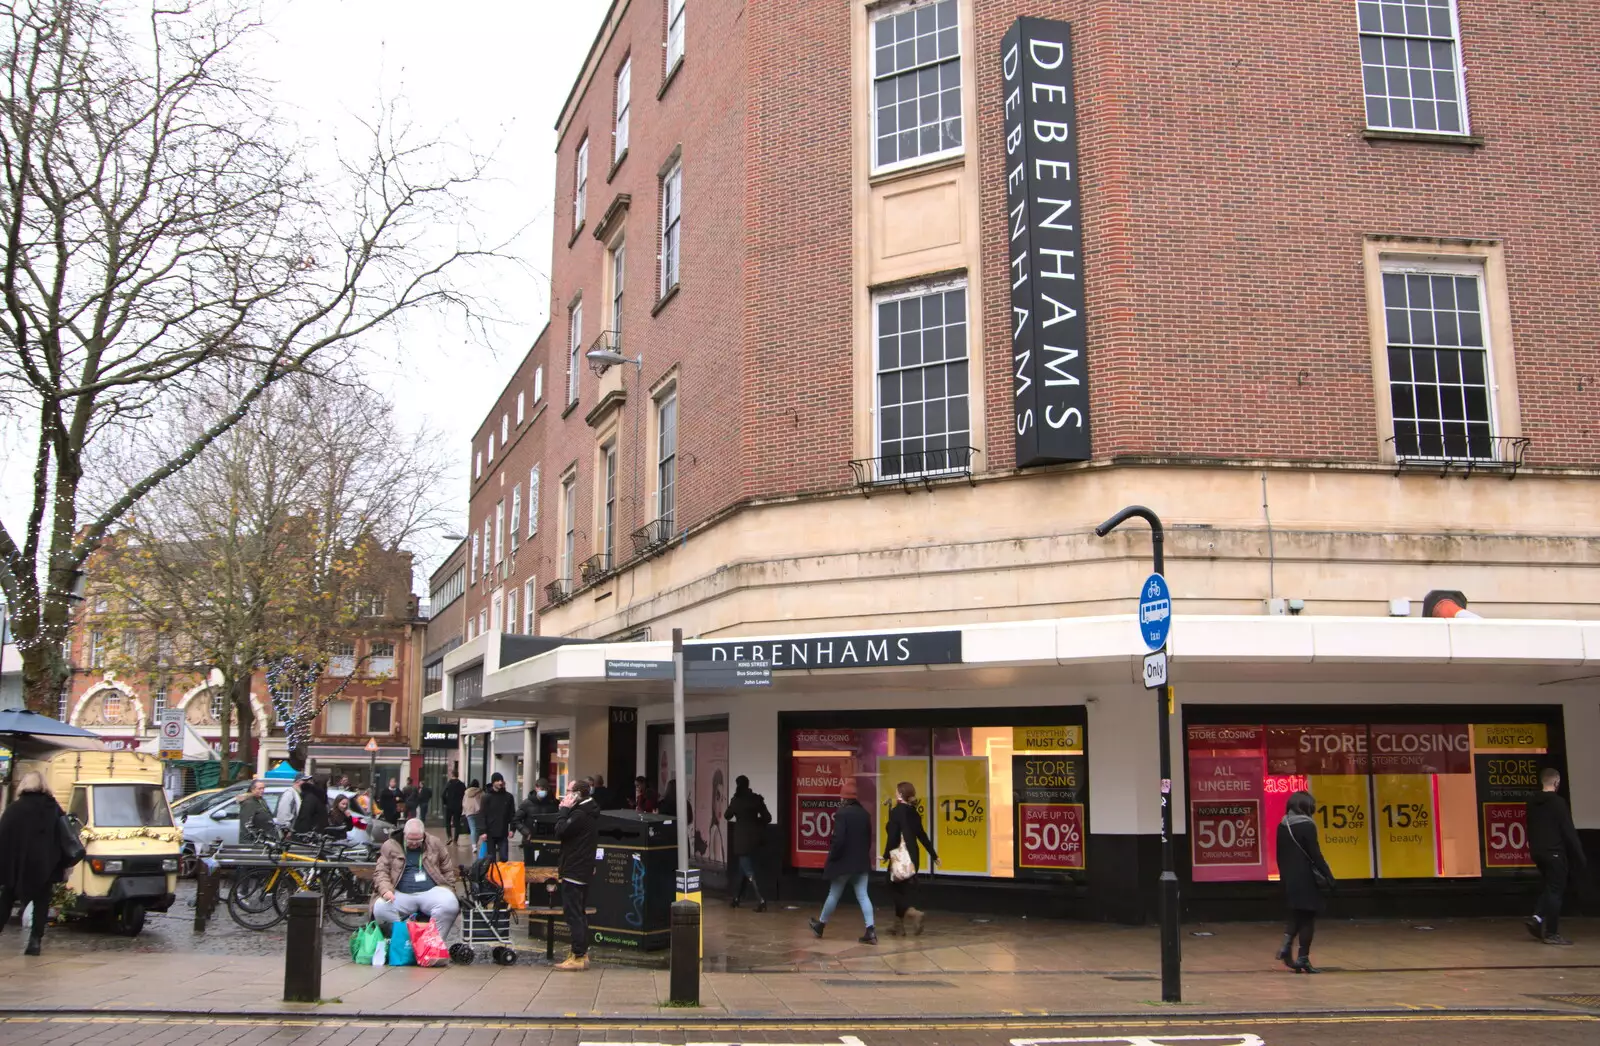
260,896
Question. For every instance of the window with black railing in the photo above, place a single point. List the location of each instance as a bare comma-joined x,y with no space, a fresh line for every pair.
652,536
558,591
923,421
596,568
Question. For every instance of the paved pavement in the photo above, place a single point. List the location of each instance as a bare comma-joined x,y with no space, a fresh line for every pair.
767,966
1282,1031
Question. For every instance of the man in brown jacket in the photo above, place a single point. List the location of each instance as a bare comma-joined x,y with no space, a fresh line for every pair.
418,876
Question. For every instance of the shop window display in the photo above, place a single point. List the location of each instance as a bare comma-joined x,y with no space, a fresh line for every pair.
1394,801
1000,802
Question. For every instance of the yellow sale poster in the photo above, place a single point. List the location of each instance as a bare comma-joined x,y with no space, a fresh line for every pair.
961,813
891,771
1405,826
1345,821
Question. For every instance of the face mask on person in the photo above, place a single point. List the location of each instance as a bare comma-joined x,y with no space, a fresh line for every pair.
542,793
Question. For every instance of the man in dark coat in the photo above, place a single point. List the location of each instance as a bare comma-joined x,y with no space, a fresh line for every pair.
389,802
412,797
748,816
313,815
497,812
454,792
1300,864
849,860
578,828
1553,842
32,858
255,820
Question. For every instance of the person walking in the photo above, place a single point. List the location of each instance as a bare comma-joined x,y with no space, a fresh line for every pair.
578,829
1305,874
34,840
312,817
417,877
289,802
748,814
389,802
497,809
454,793
849,860
1554,844
905,827
471,803
411,796
424,797
255,820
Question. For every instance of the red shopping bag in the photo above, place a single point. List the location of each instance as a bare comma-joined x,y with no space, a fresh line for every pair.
428,945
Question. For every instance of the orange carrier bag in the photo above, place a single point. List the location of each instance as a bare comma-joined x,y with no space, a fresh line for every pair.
514,881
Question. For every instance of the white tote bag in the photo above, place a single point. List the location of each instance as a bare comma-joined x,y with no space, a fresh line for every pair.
900,866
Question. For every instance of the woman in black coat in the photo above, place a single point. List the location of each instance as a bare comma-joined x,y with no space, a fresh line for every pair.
1300,863
312,818
31,855
747,816
905,825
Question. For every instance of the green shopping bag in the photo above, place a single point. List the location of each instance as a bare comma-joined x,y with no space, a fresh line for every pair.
364,942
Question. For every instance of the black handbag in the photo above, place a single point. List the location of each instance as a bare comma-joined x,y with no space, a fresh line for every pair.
72,850
1322,882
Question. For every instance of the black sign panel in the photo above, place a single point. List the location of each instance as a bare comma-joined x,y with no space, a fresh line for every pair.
726,675
861,651
639,669
438,734
1049,332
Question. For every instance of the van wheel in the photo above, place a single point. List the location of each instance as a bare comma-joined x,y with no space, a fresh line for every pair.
130,919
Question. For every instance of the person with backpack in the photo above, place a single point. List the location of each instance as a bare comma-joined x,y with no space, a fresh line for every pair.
748,815
905,828
1305,874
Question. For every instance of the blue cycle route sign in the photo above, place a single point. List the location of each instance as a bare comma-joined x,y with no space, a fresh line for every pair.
1155,611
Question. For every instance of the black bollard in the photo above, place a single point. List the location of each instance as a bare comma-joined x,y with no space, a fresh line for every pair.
205,896
302,957
684,979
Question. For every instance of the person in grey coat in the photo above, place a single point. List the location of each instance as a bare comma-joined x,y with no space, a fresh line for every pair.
1304,874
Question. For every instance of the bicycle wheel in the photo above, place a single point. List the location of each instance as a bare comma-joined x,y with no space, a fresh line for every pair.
348,900
291,882
250,902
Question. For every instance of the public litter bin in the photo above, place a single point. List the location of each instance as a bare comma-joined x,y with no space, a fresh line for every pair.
635,868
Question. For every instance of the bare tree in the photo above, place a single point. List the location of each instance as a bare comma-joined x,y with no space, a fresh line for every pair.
283,538
159,240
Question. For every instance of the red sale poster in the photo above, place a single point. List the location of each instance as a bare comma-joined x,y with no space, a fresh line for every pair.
815,787
1226,766
1505,836
1052,836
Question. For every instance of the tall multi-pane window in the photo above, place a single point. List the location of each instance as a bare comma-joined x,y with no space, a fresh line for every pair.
580,192
512,621
477,464
522,407
624,103
538,383
491,447
529,606
916,83
574,350
111,704
667,455
1439,381
674,33
488,545
380,717
671,225
533,501
618,255
499,530
922,399
569,524
473,569
97,649
1411,65
158,700
608,499
516,516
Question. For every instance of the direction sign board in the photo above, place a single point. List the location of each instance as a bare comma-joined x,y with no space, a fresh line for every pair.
1155,611
638,669
726,675
1155,670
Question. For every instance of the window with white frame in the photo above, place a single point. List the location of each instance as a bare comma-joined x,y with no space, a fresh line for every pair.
111,704
380,659
574,350
667,454
580,192
1411,65
1440,386
515,523
499,531
477,464
522,406
533,501
923,422
217,700
158,700
916,83
618,279
341,659
339,717
671,226
538,383
488,545
674,34
624,104
569,524
505,429
608,499
511,609
97,649
483,622
529,606
380,717
497,607
491,447
473,566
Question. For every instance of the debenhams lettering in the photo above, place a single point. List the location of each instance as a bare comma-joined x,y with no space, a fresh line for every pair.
1049,332
908,648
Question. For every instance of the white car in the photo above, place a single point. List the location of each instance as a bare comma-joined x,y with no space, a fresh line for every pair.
219,824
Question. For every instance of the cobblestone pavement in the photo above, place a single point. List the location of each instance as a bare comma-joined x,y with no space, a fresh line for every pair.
1286,1031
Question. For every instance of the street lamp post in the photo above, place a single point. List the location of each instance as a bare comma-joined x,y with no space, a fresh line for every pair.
372,769
1171,958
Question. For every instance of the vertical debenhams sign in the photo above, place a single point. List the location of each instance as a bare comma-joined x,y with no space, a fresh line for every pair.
1045,230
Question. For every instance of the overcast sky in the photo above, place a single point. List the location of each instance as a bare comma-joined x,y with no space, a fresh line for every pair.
489,73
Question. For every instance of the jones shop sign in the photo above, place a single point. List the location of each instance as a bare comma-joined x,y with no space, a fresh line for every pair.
1049,332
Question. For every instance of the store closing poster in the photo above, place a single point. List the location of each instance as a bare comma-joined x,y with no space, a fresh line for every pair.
1506,777
1225,797
1051,795
819,770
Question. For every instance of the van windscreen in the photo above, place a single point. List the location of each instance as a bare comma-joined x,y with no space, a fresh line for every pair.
131,806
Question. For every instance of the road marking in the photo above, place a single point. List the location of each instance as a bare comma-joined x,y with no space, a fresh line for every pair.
844,1040
1233,1039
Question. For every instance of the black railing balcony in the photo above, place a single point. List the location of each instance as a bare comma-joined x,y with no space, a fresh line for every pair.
653,536
596,568
913,466
1458,452
606,341
558,591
